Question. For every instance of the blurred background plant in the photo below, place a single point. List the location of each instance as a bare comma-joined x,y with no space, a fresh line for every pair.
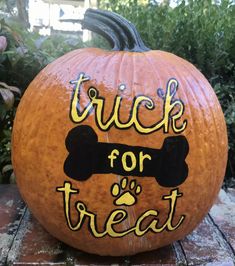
202,32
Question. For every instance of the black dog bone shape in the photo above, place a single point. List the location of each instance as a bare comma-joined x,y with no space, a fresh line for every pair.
87,156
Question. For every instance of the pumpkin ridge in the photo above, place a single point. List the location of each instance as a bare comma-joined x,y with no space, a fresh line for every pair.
166,73
150,66
186,92
120,73
117,75
64,61
212,112
205,124
182,78
108,61
156,75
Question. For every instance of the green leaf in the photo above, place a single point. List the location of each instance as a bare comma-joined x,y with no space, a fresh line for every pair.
12,178
3,112
7,168
8,98
11,88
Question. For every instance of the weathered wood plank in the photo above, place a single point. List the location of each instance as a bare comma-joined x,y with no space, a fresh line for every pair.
76,257
179,253
163,256
33,244
231,194
223,215
11,211
206,245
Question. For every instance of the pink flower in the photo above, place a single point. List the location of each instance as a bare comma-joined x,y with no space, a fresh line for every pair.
3,43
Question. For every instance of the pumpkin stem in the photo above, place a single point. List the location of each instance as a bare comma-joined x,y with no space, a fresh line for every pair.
120,33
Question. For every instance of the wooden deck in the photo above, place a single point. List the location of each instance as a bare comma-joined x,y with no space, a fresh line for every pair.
24,242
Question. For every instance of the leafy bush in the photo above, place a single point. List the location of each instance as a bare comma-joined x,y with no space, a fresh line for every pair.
7,113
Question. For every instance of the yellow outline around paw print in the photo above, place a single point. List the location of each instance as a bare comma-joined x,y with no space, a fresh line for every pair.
125,192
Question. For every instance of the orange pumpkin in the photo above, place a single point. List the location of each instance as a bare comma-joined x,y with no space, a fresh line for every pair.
119,152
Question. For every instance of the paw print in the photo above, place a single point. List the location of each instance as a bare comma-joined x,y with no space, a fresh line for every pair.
128,196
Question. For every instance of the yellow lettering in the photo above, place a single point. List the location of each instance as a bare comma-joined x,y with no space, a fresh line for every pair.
142,158
114,220
173,200
124,161
138,230
118,216
67,191
169,106
97,103
76,115
113,156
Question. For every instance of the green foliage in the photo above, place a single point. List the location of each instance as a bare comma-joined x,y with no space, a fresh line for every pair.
28,52
8,94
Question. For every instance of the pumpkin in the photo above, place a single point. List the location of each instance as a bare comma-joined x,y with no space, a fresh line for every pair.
119,152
